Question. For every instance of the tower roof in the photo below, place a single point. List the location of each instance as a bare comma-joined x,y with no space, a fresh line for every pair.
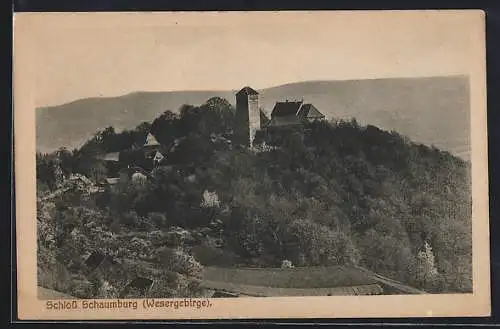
247,91
151,141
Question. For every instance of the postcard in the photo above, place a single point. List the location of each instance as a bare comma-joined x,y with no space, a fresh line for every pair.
251,165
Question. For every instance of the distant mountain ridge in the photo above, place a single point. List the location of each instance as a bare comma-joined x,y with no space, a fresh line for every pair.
433,110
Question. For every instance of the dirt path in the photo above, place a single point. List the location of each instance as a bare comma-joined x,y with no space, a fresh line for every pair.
392,283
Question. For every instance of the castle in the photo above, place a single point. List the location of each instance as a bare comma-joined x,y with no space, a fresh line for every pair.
248,116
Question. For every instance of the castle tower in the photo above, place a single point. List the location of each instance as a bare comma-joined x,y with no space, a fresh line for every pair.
247,115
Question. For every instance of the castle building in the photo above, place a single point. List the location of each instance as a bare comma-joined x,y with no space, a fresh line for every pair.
247,115
294,112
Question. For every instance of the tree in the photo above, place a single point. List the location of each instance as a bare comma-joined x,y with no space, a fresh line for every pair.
218,104
224,113
97,171
67,161
159,219
426,271
323,193
316,244
179,261
45,172
107,133
143,128
167,127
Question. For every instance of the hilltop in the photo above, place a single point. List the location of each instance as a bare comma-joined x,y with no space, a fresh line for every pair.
320,194
419,108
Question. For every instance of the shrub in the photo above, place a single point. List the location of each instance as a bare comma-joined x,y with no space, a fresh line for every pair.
107,290
51,274
178,261
159,219
130,219
170,284
427,272
318,244
81,289
210,255
140,248
210,199
305,202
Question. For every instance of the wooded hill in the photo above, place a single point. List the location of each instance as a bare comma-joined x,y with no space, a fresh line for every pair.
326,193
419,108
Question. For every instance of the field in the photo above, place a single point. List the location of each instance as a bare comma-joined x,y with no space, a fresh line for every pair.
306,281
262,291
311,277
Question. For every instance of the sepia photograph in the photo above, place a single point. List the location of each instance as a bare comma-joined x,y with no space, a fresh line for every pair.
175,160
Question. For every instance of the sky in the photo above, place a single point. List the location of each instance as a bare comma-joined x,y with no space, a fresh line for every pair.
92,55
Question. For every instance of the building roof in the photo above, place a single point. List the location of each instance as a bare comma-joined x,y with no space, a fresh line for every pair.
151,141
309,111
247,91
94,260
113,156
137,169
158,156
287,108
112,181
79,177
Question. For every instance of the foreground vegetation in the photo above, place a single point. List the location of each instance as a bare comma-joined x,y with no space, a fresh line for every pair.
324,194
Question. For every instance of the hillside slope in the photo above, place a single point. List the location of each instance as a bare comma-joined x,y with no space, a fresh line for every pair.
434,110
318,194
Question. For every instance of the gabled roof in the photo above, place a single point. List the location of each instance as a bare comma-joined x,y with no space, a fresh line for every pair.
286,108
95,259
151,141
309,111
247,91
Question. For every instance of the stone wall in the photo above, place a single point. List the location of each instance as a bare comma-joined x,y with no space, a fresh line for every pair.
253,116
247,118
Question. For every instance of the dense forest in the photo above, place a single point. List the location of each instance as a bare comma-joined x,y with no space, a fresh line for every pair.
324,193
